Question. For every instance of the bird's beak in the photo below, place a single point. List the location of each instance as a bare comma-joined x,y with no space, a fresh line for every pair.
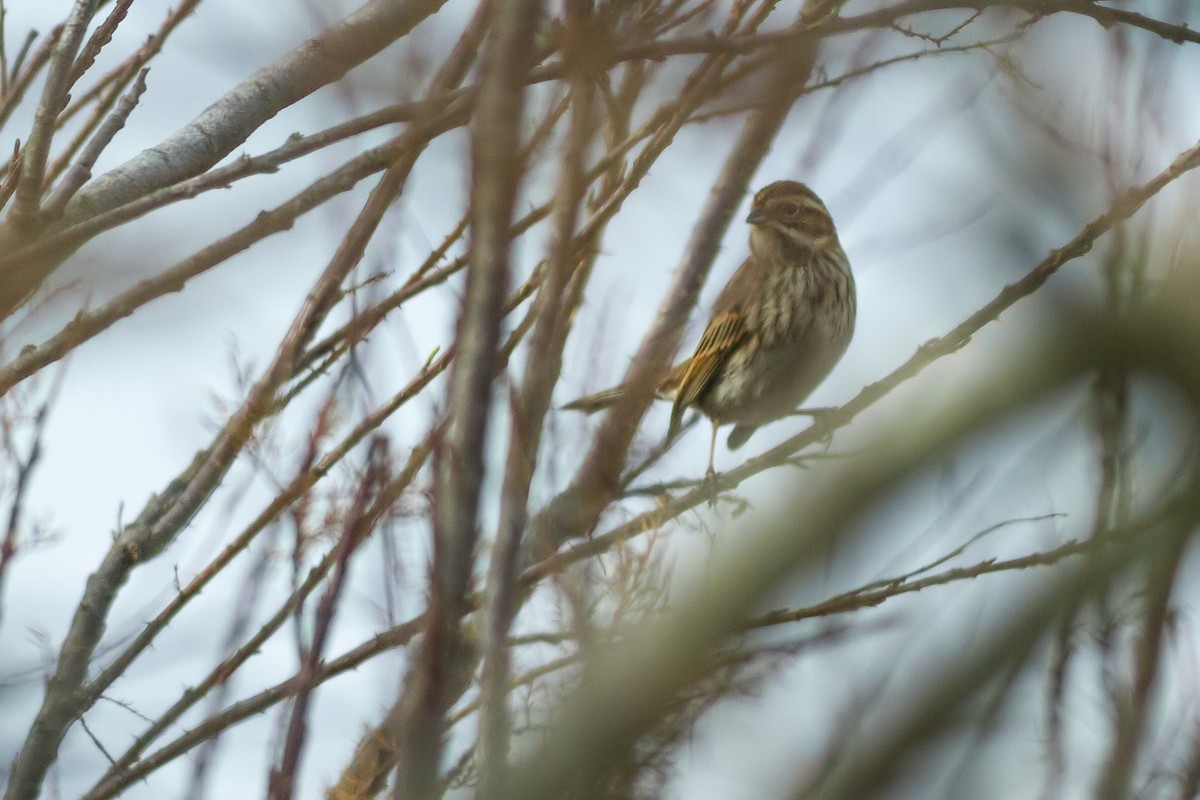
756,217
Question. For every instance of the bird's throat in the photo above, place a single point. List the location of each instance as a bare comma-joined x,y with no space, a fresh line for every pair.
769,246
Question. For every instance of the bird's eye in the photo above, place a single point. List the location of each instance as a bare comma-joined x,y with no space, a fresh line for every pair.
789,209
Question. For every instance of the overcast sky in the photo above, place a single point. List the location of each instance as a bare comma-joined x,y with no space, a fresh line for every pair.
942,195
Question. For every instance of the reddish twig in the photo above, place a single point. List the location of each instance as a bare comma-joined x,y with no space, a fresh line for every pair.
358,525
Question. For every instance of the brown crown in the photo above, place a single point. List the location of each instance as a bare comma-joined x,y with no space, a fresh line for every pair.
788,189
793,205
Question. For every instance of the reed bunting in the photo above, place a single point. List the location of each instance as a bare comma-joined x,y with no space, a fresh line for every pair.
777,329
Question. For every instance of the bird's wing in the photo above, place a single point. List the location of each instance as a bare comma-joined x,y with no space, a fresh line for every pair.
722,336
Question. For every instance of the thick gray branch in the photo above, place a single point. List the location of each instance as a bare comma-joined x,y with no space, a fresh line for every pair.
227,123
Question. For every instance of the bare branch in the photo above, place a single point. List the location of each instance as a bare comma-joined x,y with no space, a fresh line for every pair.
88,324
282,501
54,99
459,463
127,768
376,753
228,122
358,525
1134,708
530,403
211,136
120,76
99,38
25,470
24,70
935,699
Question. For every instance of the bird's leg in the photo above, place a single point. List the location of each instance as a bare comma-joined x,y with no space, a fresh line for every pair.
712,449
710,475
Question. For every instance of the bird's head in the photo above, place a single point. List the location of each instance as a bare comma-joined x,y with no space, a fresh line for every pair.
788,214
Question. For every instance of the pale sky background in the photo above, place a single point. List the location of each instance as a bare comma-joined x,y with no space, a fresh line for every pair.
935,218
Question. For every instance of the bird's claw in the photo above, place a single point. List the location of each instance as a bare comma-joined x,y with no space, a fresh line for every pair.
818,414
822,418
710,485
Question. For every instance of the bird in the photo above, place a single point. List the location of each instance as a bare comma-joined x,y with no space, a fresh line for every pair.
777,329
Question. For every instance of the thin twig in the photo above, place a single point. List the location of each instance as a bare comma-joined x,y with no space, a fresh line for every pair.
12,176
3,50
24,214
99,38
123,770
99,746
24,71
294,491
1133,708
25,470
358,525
118,78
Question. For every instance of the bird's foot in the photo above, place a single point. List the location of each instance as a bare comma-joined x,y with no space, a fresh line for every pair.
709,484
817,413
822,419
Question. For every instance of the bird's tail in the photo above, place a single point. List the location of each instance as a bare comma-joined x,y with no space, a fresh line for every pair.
596,402
602,400
676,421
